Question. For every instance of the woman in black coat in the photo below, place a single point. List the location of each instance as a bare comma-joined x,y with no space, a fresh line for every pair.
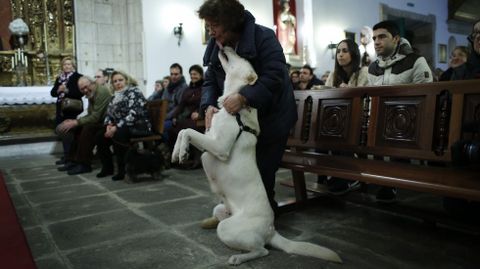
66,86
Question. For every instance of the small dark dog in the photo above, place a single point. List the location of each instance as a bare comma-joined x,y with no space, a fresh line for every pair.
145,161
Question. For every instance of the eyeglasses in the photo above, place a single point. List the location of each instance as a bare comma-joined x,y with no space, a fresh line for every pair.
473,36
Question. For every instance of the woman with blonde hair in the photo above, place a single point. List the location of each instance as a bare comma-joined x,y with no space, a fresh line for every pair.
126,117
66,86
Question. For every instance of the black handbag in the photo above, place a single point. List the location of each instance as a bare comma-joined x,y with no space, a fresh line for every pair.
71,105
140,129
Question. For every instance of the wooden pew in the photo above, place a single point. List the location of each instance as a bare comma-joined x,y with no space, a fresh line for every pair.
419,122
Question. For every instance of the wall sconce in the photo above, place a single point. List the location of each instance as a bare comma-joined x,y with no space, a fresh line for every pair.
332,47
178,32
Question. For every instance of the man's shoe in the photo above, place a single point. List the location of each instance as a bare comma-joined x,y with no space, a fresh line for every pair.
105,173
66,167
322,179
210,223
119,176
340,186
61,161
387,195
80,169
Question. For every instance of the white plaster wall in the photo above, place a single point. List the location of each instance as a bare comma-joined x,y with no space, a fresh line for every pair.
161,49
109,33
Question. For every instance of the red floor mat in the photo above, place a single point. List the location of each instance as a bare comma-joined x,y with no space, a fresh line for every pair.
14,250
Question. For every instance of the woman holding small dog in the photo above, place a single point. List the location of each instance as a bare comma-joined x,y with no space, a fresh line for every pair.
126,117
229,24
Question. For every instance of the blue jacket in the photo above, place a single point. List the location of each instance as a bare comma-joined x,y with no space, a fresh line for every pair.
272,94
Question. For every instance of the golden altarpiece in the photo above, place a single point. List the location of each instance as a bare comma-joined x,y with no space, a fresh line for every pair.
51,37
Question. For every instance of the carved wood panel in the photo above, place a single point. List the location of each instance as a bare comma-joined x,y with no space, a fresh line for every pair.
334,119
399,122
472,109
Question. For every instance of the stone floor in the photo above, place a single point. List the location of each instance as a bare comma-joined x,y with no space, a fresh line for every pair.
85,222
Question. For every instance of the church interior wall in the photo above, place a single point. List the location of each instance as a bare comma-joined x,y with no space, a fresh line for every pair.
110,34
161,46
137,36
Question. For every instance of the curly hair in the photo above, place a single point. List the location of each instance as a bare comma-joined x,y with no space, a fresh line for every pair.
229,13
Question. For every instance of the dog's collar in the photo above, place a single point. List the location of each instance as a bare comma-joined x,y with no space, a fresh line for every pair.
243,127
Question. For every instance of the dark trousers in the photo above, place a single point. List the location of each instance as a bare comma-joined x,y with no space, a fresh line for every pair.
120,142
269,156
81,149
68,138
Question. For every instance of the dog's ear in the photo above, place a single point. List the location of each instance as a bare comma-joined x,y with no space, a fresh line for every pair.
252,78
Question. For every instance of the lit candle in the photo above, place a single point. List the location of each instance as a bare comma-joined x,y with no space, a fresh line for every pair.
26,60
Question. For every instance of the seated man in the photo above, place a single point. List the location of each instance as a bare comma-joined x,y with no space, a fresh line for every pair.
308,79
85,128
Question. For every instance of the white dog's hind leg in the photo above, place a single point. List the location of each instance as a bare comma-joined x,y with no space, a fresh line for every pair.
235,234
221,212
241,258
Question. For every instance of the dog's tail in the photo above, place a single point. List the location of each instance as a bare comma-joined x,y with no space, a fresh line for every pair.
303,248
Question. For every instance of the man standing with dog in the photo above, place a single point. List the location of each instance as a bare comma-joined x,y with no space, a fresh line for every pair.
229,24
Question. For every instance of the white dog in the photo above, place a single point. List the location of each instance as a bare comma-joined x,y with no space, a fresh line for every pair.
246,218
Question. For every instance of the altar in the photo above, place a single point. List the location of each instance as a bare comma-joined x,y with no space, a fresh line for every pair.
34,95
26,112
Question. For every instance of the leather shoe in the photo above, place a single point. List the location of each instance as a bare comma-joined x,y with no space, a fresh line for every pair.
80,169
61,161
119,176
66,167
105,172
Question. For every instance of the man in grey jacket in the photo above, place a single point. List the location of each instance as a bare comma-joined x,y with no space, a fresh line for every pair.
396,64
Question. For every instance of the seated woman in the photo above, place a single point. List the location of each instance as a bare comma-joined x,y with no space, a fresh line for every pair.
185,114
459,56
66,86
347,73
126,116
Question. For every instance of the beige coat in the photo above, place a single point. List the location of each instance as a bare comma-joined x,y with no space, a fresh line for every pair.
362,79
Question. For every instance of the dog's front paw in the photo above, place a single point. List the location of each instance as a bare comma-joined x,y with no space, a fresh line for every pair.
220,101
175,153
183,155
